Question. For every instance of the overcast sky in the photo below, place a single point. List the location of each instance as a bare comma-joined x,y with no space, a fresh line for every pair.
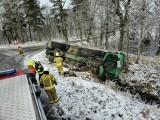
68,2
44,1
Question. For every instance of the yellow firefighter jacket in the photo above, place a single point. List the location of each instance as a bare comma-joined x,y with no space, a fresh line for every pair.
19,49
48,81
58,61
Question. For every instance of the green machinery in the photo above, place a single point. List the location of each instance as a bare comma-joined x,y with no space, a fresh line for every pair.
84,56
108,65
111,66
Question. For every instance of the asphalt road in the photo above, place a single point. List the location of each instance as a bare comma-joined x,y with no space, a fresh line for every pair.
10,59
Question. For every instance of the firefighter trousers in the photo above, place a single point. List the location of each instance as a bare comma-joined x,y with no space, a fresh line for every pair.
40,76
21,52
52,95
60,69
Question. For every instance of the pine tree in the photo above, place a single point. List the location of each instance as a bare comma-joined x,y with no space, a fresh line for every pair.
12,20
61,16
33,17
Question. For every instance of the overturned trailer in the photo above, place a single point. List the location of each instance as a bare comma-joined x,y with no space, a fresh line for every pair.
107,65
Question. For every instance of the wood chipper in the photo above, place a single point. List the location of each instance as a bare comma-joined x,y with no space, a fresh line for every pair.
111,66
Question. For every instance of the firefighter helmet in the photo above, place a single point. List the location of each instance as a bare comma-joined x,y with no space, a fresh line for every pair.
37,60
46,69
57,54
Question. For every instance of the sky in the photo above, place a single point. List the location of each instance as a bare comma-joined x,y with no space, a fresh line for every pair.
44,2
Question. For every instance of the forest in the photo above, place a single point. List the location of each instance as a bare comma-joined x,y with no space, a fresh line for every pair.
124,25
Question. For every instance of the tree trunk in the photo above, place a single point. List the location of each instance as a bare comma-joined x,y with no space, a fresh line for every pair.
20,32
26,35
127,37
91,32
85,31
106,32
50,35
22,35
12,35
158,38
71,30
122,32
140,46
9,41
101,37
80,26
142,34
106,25
39,35
81,35
138,53
95,39
48,29
101,31
106,41
62,16
30,35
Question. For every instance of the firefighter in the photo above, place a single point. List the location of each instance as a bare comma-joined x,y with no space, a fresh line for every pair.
38,67
31,71
20,50
58,62
47,81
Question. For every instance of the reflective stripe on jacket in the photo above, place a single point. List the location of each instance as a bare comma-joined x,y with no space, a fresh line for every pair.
39,68
47,81
58,61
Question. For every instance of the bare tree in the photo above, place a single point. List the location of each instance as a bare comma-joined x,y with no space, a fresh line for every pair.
122,14
142,29
157,12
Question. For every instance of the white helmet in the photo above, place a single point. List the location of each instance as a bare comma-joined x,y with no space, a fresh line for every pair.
37,60
46,69
57,54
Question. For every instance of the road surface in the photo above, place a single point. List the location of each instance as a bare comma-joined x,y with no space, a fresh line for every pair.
11,59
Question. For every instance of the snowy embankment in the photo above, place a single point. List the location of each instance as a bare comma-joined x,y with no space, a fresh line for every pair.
145,75
81,98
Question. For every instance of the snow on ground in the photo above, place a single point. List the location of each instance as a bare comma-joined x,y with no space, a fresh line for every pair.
27,44
147,72
142,72
82,99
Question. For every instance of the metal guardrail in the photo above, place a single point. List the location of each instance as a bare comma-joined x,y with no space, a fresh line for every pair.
39,107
